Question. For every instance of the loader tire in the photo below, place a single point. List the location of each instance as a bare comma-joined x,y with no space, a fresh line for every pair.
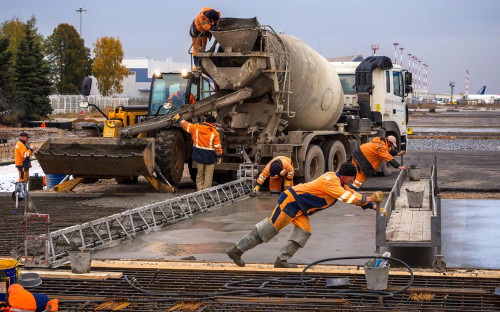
169,155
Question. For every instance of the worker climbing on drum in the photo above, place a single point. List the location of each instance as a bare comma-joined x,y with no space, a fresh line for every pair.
22,155
368,157
207,149
295,205
203,23
280,171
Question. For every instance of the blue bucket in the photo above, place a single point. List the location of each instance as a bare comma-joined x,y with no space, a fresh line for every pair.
54,179
9,274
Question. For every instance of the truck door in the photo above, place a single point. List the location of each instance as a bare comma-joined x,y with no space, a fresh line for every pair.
397,100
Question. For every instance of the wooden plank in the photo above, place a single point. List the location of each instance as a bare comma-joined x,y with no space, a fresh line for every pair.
69,275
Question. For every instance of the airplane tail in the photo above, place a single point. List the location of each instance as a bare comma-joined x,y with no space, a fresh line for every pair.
482,90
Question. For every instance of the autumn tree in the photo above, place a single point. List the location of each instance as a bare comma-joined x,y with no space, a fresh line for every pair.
14,31
107,67
31,85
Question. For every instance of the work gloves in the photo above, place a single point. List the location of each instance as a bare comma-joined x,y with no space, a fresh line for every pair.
378,197
287,184
255,191
219,160
177,118
383,211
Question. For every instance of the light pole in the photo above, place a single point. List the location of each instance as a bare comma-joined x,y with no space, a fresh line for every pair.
80,10
452,86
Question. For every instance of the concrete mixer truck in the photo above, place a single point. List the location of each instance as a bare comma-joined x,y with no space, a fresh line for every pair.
272,95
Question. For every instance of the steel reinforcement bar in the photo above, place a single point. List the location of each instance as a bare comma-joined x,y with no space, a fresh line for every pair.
110,231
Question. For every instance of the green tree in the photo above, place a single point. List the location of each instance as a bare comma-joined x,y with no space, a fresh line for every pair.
31,85
5,81
68,59
107,67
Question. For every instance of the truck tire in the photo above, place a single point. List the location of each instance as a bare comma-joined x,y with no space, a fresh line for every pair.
169,155
314,165
336,155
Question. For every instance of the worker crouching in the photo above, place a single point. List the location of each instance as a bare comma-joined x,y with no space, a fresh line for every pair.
21,300
368,157
295,205
280,171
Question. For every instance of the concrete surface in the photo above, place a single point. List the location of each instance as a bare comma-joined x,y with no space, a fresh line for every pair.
469,231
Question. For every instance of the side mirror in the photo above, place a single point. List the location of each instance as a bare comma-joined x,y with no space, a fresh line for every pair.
408,79
83,104
408,89
86,86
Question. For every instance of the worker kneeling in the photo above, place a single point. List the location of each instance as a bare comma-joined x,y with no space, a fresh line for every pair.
295,205
19,299
280,171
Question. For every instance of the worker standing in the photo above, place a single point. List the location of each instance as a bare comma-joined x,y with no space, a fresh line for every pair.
280,169
203,23
295,205
22,157
368,156
207,148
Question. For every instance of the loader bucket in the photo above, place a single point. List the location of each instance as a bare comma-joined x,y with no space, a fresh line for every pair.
97,157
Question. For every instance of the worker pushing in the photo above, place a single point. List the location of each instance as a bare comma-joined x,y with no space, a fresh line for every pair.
280,171
295,205
203,23
368,157
207,149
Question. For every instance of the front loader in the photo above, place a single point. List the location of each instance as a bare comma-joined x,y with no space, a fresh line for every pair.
139,141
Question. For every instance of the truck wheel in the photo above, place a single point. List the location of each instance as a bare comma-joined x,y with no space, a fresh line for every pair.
170,155
314,165
336,155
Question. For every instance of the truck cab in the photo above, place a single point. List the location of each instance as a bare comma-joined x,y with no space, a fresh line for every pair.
388,96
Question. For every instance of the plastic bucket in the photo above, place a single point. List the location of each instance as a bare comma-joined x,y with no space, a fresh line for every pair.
414,174
9,274
80,261
376,278
54,179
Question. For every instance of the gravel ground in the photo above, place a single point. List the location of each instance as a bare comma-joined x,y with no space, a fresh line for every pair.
453,145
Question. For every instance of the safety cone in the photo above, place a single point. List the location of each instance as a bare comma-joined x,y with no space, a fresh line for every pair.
81,112
43,125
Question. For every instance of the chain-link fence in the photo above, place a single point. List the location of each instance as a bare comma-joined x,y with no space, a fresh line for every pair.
69,103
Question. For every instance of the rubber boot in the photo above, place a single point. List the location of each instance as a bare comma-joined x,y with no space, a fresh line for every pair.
286,253
248,242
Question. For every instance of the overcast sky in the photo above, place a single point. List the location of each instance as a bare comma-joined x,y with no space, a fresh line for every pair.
449,35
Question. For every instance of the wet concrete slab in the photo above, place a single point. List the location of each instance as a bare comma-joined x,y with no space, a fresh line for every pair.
469,236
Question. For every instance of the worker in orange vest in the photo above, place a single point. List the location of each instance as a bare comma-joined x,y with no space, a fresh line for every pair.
280,169
203,23
207,149
21,300
368,156
179,97
22,157
295,205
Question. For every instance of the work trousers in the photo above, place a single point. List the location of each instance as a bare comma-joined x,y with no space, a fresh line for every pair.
204,176
360,176
24,174
199,42
286,212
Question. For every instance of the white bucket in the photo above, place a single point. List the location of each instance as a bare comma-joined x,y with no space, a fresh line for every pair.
80,261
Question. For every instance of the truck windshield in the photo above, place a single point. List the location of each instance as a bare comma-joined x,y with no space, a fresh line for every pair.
347,82
170,88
